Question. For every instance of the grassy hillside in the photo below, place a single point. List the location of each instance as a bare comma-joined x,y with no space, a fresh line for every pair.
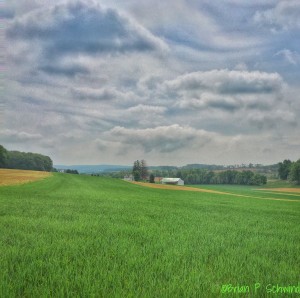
79,236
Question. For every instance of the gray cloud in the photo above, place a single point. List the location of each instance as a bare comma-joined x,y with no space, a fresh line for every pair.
14,136
95,94
289,56
83,27
285,15
67,70
6,13
228,81
161,139
88,83
226,90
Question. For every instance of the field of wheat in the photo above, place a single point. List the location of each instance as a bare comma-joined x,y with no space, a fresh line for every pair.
12,177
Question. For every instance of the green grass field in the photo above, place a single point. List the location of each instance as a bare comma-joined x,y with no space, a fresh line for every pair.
80,236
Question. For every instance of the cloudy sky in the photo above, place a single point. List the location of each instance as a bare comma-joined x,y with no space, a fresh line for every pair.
172,82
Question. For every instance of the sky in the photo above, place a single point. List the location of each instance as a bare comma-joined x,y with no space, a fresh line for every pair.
172,82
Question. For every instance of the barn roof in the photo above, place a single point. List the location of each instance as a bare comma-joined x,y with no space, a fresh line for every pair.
170,180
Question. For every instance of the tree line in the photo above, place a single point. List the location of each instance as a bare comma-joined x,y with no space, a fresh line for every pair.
202,176
288,170
198,176
24,160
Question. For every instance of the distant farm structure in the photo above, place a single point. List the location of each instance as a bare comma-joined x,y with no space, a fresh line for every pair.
128,178
158,179
172,181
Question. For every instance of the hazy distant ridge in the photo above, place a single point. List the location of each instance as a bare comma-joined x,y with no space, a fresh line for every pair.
89,169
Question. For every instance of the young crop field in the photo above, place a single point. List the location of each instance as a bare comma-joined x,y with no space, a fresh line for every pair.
81,236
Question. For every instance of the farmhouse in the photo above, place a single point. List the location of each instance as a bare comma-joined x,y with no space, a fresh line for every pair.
173,181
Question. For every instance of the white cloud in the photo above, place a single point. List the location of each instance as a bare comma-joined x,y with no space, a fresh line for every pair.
285,15
142,109
15,136
226,90
289,56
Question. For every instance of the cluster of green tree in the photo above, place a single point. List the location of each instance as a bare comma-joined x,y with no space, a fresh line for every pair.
24,161
118,175
203,166
140,170
288,170
201,176
69,171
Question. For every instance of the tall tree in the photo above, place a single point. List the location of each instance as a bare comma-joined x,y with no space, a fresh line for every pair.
284,169
140,170
295,172
136,170
144,169
152,178
3,157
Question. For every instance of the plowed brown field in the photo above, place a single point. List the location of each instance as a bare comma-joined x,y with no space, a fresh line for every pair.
11,177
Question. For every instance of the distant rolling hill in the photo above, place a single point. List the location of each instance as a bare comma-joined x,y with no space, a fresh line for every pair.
90,169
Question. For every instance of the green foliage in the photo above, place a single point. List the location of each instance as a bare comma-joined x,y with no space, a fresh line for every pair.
201,176
82,236
140,170
24,161
69,171
3,157
295,172
288,170
136,171
144,169
284,169
136,176
151,179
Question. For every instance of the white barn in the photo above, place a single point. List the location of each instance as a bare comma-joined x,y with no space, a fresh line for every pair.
173,181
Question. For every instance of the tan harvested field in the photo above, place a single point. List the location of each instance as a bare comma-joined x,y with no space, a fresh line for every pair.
295,190
12,177
176,187
185,188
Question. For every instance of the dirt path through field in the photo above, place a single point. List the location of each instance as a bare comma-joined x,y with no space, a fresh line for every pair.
12,177
177,187
185,188
281,193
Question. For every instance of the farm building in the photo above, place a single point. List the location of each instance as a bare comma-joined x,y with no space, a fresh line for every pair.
128,178
158,179
173,181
